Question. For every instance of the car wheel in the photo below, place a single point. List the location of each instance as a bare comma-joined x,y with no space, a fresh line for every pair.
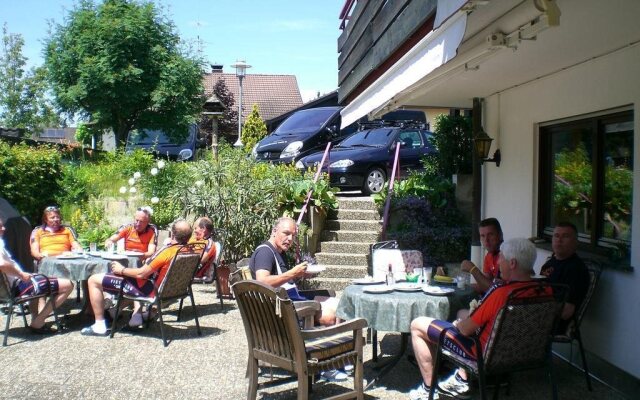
374,181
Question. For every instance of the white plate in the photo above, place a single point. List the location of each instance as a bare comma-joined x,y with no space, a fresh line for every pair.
131,253
366,281
378,289
408,287
96,253
437,290
69,257
114,256
315,269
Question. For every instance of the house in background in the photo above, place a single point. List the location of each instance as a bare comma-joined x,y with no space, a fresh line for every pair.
559,88
274,94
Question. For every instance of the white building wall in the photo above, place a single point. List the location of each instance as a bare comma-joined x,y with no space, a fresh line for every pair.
612,325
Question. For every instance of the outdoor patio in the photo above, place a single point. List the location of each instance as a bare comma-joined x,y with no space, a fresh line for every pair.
136,365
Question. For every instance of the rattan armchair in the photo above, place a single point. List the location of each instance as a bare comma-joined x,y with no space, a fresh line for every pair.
176,285
274,336
520,338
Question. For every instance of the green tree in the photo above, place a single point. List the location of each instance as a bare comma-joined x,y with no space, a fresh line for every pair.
228,122
119,64
23,94
452,137
253,129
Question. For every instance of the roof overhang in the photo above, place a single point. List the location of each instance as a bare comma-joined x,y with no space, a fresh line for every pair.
506,43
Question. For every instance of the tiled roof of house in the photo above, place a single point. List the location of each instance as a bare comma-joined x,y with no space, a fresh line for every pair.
274,94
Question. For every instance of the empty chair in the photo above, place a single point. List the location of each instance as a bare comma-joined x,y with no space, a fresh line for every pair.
274,337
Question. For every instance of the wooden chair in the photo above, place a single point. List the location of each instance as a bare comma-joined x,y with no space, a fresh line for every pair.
7,296
520,338
573,330
176,285
274,336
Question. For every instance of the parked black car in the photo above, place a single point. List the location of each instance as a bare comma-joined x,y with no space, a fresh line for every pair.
364,160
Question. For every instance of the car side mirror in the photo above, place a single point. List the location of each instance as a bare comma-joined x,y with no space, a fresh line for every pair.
185,154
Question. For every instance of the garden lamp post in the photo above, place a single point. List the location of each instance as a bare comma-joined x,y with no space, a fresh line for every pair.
241,69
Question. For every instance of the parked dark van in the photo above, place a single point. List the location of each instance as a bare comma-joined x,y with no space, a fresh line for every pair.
159,144
304,132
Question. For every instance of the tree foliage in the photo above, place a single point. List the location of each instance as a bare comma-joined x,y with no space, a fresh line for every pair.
253,129
228,122
120,65
453,138
23,101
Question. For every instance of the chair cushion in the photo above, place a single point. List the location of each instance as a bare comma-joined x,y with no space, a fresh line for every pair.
329,346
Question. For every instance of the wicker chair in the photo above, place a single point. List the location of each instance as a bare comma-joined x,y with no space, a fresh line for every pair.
573,330
7,296
274,337
520,338
176,285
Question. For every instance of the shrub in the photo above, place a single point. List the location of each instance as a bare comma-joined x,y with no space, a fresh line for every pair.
452,137
253,130
30,177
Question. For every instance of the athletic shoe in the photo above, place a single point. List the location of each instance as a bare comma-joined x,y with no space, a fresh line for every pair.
334,375
455,386
136,320
348,368
422,393
88,331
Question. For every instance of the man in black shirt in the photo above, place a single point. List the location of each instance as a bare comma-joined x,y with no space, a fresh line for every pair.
566,267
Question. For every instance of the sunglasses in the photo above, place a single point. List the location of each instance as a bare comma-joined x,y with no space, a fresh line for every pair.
51,208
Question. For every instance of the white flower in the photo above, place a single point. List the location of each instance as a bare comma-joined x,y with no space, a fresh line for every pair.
136,175
123,189
199,183
154,171
154,200
132,189
131,181
161,164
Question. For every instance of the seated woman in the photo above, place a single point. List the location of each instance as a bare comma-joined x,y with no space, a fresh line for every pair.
28,284
203,232
52,238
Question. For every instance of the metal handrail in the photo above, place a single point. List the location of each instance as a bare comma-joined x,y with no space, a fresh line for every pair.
387,205
309,193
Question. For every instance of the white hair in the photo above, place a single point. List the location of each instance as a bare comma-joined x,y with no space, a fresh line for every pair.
521,250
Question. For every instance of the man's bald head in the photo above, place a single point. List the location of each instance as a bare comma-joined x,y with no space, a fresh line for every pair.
181,231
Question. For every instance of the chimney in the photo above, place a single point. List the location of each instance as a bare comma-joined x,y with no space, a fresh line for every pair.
216,68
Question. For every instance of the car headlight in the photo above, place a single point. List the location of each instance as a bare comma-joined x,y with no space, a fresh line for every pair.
254,151
300,165
341,164
292,149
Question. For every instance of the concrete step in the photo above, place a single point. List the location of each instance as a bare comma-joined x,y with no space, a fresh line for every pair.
351,236
344,247
337,284
341,259
353,214
353,225
343,271
356,203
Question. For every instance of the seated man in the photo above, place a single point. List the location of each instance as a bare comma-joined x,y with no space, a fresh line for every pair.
515,262
566,267
28,285
268,266
203,233
136,281
491,238
139,236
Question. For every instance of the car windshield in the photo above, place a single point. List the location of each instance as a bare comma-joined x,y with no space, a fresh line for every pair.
369,138
149,137
304,121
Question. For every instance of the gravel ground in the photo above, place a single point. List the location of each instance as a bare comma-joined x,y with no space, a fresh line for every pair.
136,365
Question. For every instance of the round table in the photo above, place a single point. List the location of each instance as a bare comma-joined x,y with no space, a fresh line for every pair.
80,268
394,311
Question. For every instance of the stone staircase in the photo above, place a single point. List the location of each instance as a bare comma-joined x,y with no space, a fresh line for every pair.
344,247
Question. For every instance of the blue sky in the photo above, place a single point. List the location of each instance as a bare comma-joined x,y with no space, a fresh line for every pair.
297,37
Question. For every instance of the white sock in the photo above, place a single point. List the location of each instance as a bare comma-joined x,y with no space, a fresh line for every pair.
100,326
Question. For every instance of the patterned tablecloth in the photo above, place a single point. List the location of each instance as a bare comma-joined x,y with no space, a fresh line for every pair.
81,268
394,311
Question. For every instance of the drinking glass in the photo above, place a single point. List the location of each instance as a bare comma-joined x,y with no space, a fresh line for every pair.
93,247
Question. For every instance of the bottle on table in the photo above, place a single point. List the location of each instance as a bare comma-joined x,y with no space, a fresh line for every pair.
391,280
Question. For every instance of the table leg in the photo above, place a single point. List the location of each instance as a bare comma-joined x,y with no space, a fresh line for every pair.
388,366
